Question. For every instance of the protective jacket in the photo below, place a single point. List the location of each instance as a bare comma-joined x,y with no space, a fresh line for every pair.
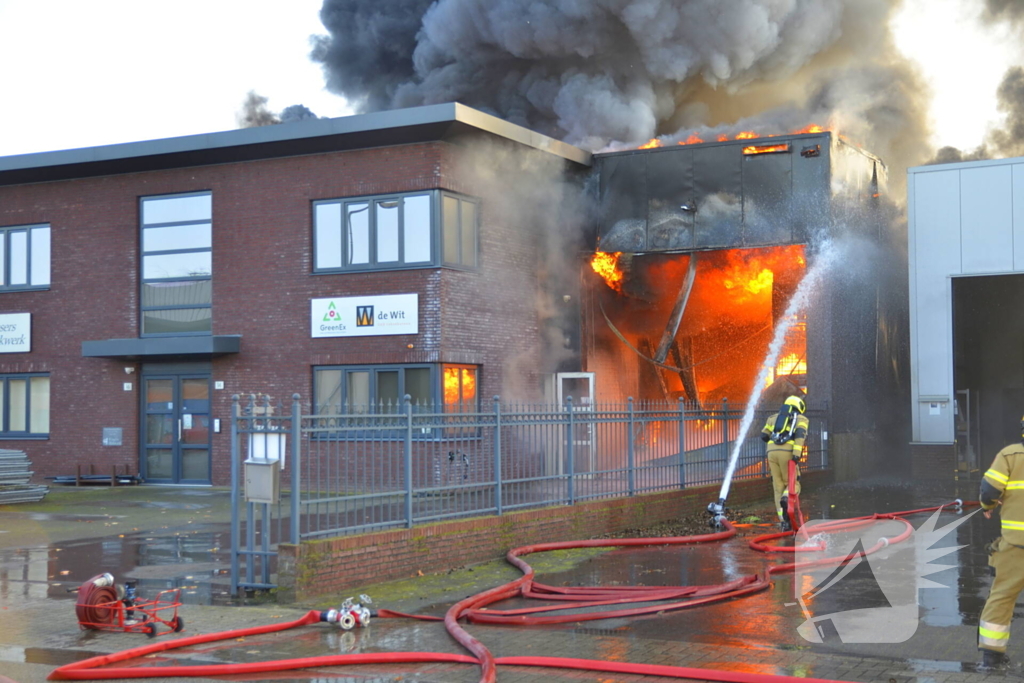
1004,481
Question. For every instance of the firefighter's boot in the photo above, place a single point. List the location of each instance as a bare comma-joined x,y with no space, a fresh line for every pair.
994,661
784,513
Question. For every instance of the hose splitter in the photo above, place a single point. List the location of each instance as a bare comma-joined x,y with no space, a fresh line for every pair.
350,615
717,512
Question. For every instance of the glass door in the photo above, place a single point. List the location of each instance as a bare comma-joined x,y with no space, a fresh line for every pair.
176,429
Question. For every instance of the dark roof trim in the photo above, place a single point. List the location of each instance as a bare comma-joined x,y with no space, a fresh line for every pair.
315,136
153,348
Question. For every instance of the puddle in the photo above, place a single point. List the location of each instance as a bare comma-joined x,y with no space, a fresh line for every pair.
44,655
195,560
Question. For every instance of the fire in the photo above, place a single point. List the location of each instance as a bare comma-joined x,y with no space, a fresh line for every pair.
754,284
459,385
606,264
790,364
766,149
813,128
694,139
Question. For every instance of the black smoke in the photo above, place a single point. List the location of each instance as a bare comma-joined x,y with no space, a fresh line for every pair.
596,72
256,113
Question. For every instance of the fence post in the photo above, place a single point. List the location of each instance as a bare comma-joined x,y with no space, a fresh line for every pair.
682,444
497,454
296,467
725,430
630,451
570,451
235,484
408,460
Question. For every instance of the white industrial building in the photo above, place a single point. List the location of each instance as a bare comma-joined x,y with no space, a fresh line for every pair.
966,253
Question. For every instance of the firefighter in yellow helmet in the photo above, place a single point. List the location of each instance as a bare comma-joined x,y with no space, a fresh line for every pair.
785,433
1003,484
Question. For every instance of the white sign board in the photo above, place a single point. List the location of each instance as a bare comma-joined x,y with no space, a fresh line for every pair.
15,332
365,316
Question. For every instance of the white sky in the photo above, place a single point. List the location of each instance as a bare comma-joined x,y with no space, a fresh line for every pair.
79,73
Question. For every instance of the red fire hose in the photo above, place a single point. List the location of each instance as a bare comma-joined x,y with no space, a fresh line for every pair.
473,609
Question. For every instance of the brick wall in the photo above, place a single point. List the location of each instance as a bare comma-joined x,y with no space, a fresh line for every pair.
262,284
323,567
932,460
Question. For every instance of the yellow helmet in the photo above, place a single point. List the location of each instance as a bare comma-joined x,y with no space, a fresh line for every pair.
797,403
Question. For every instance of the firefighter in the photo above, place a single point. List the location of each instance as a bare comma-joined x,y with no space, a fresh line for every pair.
784,433
1003,484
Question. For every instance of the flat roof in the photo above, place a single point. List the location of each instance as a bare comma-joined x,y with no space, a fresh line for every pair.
314,136
957,165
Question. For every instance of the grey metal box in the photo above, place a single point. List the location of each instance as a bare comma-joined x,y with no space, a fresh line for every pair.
262,481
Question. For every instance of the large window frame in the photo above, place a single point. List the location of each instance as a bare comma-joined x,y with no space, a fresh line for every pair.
355,234
332,399
25,252
156,241
25,406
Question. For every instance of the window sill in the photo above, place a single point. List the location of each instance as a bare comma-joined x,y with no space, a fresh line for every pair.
13,290
24,437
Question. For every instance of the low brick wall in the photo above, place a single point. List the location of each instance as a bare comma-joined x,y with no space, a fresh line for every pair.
932,460
328,566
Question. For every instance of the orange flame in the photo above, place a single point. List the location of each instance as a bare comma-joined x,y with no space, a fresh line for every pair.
459,385
693,139
813,128
723,138
651,144
766,149
606,264
754,284
746,135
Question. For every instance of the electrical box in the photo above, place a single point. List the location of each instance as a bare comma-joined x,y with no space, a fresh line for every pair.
262,481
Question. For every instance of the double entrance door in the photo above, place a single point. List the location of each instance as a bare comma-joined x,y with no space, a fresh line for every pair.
176,429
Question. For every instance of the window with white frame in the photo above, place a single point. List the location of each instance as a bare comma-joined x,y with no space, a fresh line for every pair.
391,231
177,264
25,405
24,257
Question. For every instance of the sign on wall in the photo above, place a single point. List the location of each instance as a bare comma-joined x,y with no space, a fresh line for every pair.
15,332
365,316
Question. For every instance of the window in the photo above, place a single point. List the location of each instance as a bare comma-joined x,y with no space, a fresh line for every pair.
177,264
459,218
25,257
357,390
24,405
460,388
391,231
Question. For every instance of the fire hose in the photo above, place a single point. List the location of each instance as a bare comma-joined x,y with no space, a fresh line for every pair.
473,609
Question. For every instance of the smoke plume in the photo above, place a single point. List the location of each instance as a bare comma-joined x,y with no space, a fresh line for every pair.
1000,142
597,72
255,113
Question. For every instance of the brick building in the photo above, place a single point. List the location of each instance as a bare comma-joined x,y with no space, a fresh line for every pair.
350,260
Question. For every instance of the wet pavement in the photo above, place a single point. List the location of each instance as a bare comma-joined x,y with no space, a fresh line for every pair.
177,538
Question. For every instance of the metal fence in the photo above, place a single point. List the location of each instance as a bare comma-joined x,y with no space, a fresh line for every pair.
386,466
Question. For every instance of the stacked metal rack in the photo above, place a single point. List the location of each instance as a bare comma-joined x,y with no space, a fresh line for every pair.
15,475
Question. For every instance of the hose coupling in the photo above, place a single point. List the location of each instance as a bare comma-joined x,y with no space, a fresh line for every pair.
717,512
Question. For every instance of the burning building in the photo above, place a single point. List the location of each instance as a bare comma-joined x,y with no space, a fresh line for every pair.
700,247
